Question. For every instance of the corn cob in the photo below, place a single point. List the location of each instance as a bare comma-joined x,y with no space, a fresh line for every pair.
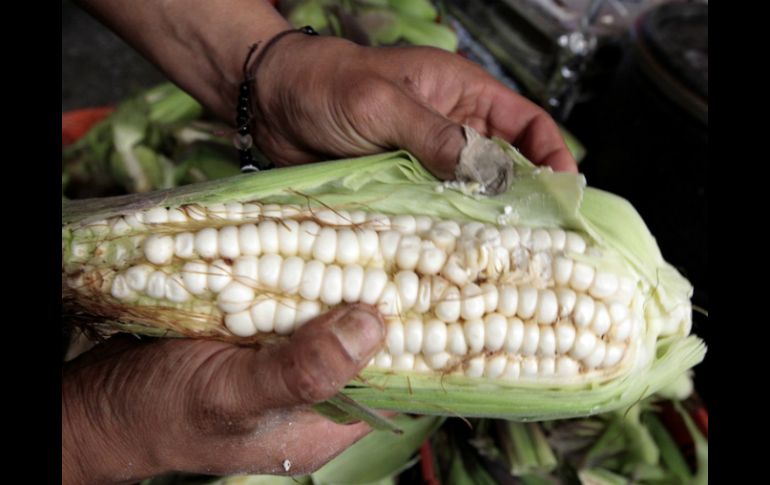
493,306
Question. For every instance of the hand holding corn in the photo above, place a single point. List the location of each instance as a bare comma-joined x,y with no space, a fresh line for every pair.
230,410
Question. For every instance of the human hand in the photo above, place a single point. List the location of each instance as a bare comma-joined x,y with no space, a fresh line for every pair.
133,409
323,97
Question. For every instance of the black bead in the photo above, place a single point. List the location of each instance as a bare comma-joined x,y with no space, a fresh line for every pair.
243,129
308,30
243,108
244,88
244,100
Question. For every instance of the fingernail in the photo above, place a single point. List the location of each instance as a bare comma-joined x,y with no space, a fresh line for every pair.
360,331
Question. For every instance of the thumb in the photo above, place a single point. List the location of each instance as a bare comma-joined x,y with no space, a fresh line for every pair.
319,359
431,137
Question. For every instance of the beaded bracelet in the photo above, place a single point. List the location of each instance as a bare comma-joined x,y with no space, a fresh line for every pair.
244,117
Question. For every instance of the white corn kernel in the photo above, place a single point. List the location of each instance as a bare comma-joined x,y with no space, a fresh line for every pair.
290,278
601,321
474,334
491,297
325,246
408,253
156,285
529,366
558,239
413,332
263,315
438,360
514,335
547,344
547,366
156,215
604,285
184,245
621,330
565,336
394,339
585,342
495,328
235,297
567,299
219,275
308,232
388,304
245,270
509,238
562,270
472,302
434,336
271,211
285,316
175,289
614,354
575,243
618,312
228,242
195,277
566,367
408,284
312,278
405,223
234,211
331,288
456,343
403,362
527,302
136,276
288,237
306,311
431,261
368,245
582,277
495,367
475,366
541,240
423,302
240,324
248,240
159,249
352,282
448,307
120,288
471,229
206,243
375,280
531,338
251,211
512,370
268,236
547,307
358,217
423,224
597,355
584,311
389,243
347,247
269,270
455,271
508,301
442,239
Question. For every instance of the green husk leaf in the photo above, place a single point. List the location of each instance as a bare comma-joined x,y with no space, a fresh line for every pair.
600,476
701,447
379,455
343,409
669,450
422,9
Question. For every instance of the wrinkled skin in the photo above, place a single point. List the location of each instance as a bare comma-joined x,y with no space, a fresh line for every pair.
320,98
211,407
